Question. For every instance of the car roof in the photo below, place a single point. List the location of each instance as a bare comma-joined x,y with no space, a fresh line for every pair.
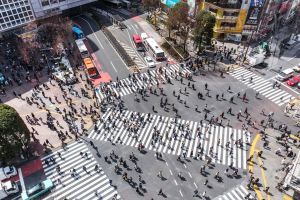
288,71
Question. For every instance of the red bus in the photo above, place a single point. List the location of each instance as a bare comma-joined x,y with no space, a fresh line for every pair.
138,42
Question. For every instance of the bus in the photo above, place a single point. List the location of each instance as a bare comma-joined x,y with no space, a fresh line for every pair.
82,48
113,3
138,42
90,68
153,47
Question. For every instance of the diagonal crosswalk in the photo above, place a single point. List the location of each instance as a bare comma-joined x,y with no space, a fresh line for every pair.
87,183
141,81
261,85
132,53
225,145
237,193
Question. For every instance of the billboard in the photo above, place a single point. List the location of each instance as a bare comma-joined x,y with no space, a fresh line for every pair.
170,3
254,12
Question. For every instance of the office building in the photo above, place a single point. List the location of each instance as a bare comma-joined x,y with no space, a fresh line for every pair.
14,13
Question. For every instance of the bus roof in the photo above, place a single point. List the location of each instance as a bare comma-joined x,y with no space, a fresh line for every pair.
88,63
81,46
136,38
152,43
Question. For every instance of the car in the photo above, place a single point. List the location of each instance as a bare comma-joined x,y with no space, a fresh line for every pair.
7,172
149,61
38,190
285,75
293,81
297,68
7,188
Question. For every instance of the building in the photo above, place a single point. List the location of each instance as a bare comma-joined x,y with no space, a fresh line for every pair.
14,13
232,16
17,13
47,8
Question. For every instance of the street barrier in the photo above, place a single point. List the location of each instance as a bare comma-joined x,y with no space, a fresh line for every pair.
127,59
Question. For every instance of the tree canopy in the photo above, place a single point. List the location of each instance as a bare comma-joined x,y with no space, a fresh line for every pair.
203,29
14,134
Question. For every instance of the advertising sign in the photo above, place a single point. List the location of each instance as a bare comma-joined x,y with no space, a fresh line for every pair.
170,3
254,12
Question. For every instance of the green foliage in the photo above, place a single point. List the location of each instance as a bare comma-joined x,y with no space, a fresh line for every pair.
203,29
14,134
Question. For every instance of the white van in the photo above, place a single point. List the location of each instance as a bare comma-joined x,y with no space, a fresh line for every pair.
7,172
144,36
285,75
7,188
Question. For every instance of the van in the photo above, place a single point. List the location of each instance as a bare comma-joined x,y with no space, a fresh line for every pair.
285,74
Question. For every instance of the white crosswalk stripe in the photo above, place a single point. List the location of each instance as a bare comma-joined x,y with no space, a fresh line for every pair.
87,183
264,87
162,134
144,80
237,193
133,54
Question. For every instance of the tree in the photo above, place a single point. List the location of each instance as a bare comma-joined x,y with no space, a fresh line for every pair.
151,6
203,29
14,134
180,15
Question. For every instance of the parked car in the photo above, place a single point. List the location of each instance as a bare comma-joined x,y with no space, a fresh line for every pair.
297,68
38,190
293,81
149,61
7,188
7,172
285,75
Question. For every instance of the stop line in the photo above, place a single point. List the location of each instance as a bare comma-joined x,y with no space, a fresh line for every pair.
216,141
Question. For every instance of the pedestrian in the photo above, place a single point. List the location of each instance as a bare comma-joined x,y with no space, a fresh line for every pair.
206,182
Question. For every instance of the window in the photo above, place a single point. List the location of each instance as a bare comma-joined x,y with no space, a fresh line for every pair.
9,12
14,11
228,24
45,2
234,14
53,1
4,1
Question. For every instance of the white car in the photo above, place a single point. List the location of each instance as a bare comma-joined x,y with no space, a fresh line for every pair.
7,188
149,61
7,172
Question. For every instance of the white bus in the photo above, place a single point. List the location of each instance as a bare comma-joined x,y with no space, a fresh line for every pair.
82,48
155,50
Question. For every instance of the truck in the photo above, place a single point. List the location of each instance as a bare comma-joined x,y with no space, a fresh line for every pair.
7,188
7,172
255,59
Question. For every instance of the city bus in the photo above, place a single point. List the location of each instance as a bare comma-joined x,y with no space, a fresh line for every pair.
138,42
154,49
90,68
82,48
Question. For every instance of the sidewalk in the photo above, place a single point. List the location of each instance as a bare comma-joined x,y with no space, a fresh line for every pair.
269,168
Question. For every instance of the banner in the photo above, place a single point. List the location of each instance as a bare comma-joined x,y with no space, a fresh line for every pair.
170,3
254,12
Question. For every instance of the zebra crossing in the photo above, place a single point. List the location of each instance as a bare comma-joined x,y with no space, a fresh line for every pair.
87,181
132,53
237,193
144,80
261,85
217,142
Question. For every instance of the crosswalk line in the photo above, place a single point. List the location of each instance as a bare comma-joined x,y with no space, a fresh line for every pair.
88,181
264,87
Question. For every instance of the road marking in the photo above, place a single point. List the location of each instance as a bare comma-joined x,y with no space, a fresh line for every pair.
171,172
180,193
190,175
134,29
21,179
93,31
133,46
263,176
175,182
184,165
288,87
250,166
195,185
287,197
167,164
294,137
113,66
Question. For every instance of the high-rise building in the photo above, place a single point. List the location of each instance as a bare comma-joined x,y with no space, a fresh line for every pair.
47,8
14,13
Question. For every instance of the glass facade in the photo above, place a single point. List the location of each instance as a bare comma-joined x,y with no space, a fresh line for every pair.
14,13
